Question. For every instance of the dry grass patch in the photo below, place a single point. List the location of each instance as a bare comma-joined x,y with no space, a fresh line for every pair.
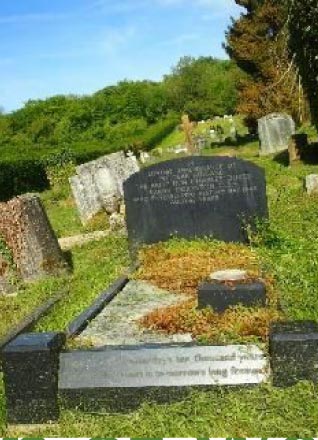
236,324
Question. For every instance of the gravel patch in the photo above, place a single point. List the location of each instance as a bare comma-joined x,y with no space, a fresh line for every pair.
118,324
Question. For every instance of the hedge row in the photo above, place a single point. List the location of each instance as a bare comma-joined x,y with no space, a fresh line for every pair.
28,174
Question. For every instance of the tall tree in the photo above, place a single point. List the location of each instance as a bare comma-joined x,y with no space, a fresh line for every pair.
203,87
303,43
257,41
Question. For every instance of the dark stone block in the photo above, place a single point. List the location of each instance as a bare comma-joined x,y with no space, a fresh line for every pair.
36,342
294,352
220,296
30,366
194,197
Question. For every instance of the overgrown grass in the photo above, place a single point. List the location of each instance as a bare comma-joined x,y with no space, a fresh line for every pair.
64,217
96,266
15,308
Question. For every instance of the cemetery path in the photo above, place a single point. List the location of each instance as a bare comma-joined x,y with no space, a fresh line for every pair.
68,243
118,324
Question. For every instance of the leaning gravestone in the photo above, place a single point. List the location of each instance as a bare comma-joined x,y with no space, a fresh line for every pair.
194,197
98,184
274,132
28,233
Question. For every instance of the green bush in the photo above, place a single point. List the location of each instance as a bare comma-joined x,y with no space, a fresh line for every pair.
39,167
60,167
18,177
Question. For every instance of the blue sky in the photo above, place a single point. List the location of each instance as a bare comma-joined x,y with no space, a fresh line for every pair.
50,47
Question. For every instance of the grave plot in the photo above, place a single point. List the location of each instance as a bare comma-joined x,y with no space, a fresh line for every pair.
182,267
146,339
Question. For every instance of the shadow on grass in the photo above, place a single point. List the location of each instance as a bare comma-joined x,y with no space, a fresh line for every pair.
309,156
240,141
69,260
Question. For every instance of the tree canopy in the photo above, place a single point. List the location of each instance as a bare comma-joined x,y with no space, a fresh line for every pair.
257,42
203,87
119,115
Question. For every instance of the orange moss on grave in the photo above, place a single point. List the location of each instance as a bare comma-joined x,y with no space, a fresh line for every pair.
207,326
181,266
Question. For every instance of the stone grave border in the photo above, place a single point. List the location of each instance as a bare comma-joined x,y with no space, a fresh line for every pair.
27,323
31,364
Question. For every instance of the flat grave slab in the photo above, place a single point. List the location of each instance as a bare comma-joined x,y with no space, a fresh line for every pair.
117,324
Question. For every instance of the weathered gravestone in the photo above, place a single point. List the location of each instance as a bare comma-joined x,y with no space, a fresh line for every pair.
194,197
28,233
98,184
274,132
311,184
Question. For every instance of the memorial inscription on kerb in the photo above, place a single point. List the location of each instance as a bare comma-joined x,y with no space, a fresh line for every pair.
163,367
197,196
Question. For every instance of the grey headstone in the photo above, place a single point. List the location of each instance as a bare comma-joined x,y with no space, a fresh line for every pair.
293,350
85,195
311,183
31,367
274,132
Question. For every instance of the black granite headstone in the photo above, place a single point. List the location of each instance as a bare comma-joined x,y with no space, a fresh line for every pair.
294,352
30,367
221,296
194,197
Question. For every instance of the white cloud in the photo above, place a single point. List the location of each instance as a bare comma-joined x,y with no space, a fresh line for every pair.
114,38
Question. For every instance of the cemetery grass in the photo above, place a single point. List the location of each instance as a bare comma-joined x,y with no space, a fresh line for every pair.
287,247
95,267
63,214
